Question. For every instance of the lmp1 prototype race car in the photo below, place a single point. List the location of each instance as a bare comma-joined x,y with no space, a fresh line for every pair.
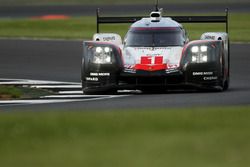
156,54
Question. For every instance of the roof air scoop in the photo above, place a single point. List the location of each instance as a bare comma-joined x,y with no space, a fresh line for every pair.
155,16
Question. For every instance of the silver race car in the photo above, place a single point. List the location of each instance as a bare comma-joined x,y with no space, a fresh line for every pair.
156,54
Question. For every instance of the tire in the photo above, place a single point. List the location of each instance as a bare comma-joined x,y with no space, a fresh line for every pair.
226,84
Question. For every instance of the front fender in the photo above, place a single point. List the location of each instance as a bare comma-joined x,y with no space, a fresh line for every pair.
100,74
208,67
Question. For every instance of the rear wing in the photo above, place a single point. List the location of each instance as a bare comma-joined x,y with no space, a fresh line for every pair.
179,19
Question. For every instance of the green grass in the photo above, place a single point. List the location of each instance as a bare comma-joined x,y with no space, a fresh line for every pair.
85,27
12,92
9,92
105,2
213,137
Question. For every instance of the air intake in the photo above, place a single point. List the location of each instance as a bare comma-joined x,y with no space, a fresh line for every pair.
155,16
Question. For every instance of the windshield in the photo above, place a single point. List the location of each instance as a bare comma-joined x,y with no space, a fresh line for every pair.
155,38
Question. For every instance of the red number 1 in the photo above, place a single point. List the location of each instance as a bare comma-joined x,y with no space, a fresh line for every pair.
151,60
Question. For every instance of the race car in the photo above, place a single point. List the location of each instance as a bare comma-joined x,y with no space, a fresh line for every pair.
156,54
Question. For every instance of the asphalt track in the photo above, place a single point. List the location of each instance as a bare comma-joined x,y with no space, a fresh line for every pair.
61,61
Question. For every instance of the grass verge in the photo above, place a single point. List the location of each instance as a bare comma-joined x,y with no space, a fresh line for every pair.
85,27
11,92
212,137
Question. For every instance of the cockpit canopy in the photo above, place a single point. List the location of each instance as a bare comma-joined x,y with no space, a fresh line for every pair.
155,37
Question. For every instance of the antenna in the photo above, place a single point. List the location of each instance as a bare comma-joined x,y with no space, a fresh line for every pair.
156,6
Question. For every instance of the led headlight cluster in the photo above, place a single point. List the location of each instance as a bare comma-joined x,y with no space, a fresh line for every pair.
199,54
102,55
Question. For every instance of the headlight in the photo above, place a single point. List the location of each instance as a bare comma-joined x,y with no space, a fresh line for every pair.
199,54
102,55
195,49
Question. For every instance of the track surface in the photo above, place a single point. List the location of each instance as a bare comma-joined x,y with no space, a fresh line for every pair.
60,61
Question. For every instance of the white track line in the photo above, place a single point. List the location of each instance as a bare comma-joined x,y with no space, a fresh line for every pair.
70,92
62,97
56,86
78,96
46,101
4,81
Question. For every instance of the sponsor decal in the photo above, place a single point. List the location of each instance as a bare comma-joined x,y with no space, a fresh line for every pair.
169,71
210,78
99,74
151,48
172,65
210,37
129,70
202,73
151,63
151,60
128,66
109,38
207,76
91,79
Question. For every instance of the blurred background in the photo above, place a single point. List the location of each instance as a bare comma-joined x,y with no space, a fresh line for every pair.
110,2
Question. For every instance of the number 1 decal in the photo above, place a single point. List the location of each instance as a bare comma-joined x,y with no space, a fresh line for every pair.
152,60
